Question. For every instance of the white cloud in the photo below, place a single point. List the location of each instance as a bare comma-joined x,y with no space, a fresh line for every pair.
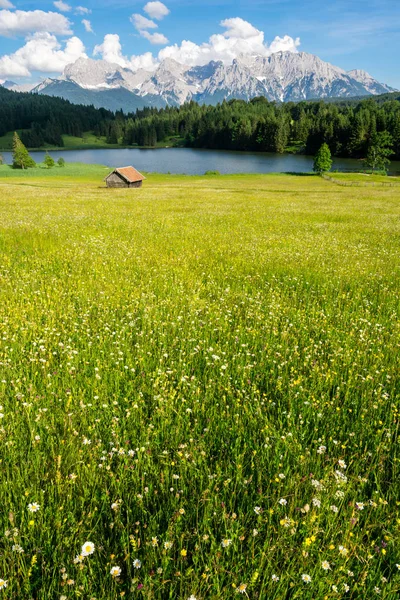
87,25
6,4
156,10
82,10
44,53
141,22
63,6
158,39
111,51
24,22
239,37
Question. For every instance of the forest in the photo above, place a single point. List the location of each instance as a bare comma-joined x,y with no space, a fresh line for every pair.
347,126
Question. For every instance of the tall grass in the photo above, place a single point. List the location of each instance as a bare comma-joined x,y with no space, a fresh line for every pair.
200,378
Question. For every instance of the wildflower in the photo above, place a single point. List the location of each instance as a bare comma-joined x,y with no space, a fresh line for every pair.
377,590
281,476
159,570
225,543
181,511
275,577
316,502
115,506
137,564
255,532
87,549
306,578
241,589
321,450
70,582
115,571
168,545
33,507
343,551
346,587
325,565
283,502
79,558
192,597
17,548
398,566
257,510
334,588
342,464
86,442
3,584
334,508
154,541
183,552
360,505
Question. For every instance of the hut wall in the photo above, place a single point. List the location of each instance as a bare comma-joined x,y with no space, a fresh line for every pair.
115,181
136,184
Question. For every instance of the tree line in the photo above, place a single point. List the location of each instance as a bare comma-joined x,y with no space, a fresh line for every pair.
348,127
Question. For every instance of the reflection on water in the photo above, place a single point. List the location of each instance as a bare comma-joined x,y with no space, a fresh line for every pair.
197,162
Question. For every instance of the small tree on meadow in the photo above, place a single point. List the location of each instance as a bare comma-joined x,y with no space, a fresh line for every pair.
323,160
61,162
380,148
1,159
21,157
49,161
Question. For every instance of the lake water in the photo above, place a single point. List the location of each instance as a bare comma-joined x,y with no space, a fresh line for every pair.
197,162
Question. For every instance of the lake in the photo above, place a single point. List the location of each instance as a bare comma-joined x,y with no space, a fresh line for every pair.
196,162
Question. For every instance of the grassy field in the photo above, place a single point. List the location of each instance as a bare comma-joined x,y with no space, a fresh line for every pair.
201,378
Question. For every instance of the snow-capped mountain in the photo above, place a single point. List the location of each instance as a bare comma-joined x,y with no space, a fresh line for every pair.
17,87
282,77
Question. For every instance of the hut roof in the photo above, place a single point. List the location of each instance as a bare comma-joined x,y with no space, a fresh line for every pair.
130,174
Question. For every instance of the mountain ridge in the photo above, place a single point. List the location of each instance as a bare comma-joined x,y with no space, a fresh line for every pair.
280,77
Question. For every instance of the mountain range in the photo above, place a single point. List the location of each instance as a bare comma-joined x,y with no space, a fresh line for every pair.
281,77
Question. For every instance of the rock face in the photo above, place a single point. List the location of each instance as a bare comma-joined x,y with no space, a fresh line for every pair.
281,77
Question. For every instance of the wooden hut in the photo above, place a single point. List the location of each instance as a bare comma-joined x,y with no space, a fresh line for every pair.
124,177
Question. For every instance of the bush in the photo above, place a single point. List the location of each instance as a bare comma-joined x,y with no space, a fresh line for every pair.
212,173
61,162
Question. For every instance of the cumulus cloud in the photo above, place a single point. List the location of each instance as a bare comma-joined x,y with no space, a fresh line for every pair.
158,39
239,37
63,6
6,4
141,22
156,10
87,25
111,51
44,53
82,10
24,22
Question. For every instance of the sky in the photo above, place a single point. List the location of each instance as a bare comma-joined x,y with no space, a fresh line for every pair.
38,38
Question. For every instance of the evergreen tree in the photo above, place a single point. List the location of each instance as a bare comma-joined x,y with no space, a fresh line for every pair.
1,159
322,160
380,148
61,162
49,161
21,156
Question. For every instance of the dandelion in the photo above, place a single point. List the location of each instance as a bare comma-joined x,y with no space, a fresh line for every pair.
325,565
115,571
225,543
283,502
257,510
33,507
306,578
3,584
241,589
87,549
137,564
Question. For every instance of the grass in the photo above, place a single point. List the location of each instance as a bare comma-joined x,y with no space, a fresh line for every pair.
202,376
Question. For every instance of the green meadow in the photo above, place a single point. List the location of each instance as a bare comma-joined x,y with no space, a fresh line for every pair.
199,387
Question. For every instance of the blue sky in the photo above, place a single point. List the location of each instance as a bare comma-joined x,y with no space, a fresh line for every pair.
362,34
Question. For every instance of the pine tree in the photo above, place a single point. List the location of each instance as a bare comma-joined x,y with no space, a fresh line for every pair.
322,160
61,162
21,156
49,161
